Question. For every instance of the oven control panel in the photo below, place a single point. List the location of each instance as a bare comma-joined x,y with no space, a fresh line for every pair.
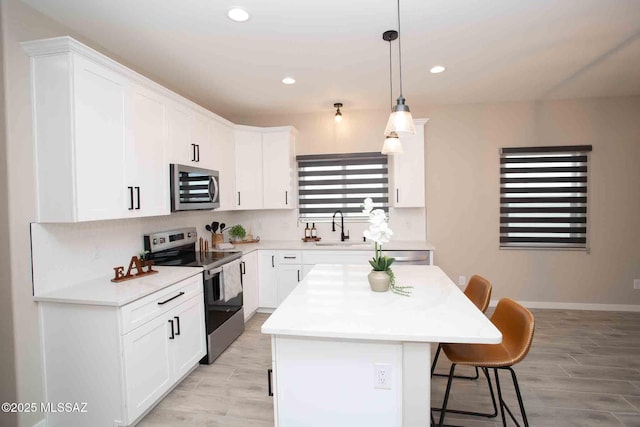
170,239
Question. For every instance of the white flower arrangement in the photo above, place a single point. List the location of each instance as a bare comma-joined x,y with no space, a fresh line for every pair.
380,232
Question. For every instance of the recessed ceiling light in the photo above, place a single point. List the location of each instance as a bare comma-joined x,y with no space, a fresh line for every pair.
237,14
288,80
437,69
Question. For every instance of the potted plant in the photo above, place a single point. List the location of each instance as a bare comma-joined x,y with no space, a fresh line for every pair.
381,277
237,232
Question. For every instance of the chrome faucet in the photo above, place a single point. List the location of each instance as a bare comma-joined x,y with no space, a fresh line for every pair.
343,237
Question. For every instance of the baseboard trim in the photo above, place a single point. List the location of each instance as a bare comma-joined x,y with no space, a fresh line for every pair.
575,306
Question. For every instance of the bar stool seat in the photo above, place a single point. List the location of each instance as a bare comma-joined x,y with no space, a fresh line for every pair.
517,326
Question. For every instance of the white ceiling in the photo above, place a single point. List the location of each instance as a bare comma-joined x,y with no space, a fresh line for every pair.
494,50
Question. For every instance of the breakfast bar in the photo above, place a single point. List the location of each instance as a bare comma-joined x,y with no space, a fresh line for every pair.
344,355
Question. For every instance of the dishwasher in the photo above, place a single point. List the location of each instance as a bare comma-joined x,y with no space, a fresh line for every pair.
410,257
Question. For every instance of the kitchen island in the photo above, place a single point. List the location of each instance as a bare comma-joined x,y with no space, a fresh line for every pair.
344,355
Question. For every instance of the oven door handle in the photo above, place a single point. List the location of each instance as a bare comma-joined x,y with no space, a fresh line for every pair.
212,272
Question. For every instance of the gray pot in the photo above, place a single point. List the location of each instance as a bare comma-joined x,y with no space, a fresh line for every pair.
379,281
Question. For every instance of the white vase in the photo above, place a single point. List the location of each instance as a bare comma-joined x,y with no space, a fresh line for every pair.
379,281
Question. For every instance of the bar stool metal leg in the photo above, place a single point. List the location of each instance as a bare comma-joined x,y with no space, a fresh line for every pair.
435,361
477,414
503,405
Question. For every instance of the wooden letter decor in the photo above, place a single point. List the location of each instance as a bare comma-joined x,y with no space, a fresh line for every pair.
134,264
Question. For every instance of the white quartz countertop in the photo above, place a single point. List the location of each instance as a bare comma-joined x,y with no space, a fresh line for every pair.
103,291
335,301
329,245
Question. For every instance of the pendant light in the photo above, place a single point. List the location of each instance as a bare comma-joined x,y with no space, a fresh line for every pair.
392,143
400,120
338,116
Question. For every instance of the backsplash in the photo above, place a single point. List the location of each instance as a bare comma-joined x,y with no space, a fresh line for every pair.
67,254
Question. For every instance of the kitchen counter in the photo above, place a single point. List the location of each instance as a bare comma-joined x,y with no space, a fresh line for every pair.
103,291
335,301
332,245
344,355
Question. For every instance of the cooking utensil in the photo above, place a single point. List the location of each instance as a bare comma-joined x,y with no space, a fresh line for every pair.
208,227
222,225
214,226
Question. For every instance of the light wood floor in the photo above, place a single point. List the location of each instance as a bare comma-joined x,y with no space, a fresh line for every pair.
583,370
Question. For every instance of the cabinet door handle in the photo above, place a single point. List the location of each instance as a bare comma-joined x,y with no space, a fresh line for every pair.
286,197
273,261
130,198
238,198
198,153
298,275
170,299
243,268
138,197
397,195
269,374
193,152
290,257
177,325
173,335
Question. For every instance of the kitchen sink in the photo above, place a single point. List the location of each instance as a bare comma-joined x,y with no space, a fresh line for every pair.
343,244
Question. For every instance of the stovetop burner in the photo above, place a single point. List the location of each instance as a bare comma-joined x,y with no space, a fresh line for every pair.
178,248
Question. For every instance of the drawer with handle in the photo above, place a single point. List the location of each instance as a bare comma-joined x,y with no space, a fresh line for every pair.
141,311
289,257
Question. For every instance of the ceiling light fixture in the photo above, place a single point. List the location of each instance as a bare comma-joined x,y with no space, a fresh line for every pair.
400,120
437,69
238,14
288,80
338,116
392,143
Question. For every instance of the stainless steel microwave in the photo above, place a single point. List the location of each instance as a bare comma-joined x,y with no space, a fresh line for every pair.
194,188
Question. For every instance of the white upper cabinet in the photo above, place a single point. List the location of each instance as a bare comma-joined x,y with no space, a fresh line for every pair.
190,137
100,139
248,169
179,130
224,156
278,168
145,154
407,171
89,155
265,167
202,140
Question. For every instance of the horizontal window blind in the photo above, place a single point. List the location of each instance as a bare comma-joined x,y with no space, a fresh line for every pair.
330,182
543,196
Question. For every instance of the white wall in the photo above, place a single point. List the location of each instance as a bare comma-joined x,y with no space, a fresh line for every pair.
462,190
8,391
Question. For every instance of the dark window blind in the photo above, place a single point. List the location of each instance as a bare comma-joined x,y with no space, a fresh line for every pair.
543,196
330,182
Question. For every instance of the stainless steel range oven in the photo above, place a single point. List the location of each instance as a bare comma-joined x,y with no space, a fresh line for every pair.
222,278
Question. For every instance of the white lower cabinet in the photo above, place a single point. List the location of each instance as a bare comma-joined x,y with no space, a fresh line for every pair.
250,291
289,275
121,361
268,279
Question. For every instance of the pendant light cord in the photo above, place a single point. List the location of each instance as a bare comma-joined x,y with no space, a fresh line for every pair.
399,48
390,78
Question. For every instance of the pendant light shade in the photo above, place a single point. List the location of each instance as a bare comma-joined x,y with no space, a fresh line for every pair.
400,120
392,144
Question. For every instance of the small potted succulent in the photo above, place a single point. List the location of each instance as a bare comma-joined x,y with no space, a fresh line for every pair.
237,232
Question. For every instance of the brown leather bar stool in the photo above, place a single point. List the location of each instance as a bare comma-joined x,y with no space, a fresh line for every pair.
478,290
517,325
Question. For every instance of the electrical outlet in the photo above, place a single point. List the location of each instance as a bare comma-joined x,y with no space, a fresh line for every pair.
636,283
462,281
382,376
